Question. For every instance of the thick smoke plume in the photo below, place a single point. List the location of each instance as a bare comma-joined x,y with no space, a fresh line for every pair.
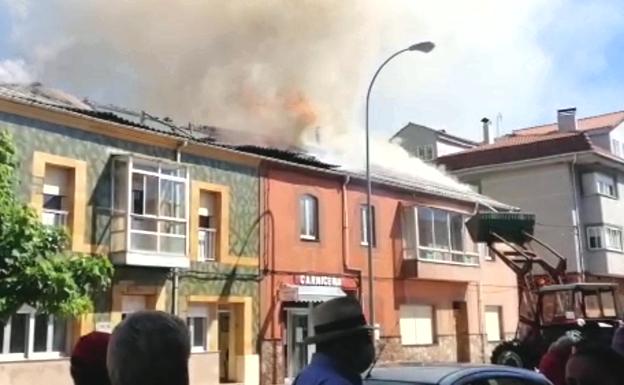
272,67
293,71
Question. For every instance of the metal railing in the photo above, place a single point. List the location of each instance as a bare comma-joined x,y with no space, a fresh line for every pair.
56,218
207,244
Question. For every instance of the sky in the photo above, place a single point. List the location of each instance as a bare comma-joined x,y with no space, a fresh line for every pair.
518,60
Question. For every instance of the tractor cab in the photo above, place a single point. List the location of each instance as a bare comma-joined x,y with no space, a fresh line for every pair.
587,307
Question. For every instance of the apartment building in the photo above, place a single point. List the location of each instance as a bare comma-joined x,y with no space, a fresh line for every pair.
438,296
428,144
177,217
570,174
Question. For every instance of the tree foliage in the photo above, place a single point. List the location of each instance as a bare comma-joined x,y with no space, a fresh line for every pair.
35,266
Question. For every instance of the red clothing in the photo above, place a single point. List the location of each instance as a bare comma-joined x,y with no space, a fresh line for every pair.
553,366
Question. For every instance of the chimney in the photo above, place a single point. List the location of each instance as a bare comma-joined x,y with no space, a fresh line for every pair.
487,138
566,120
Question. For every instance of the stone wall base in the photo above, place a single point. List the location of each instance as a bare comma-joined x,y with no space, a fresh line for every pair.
272,365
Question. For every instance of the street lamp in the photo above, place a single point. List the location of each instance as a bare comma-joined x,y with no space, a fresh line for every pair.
424,47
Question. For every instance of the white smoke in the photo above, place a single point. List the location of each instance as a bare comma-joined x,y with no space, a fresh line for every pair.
288,69
14,71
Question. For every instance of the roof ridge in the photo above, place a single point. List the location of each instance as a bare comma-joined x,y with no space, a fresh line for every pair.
584,118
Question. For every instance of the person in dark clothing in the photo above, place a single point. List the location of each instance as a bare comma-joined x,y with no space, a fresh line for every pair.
88,360
592,364
344,344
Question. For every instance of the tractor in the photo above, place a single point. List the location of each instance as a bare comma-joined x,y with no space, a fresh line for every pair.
551,304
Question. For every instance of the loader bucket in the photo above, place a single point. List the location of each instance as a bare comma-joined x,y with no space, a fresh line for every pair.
511,226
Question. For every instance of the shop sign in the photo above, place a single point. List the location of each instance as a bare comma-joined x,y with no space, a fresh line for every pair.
318,280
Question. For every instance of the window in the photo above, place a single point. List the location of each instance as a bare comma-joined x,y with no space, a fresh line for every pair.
615,147
28,334
308,216
197,321
604,237
207,236
55,193
152,197
493,327
416,324
425,152
599,183
364,227
442,237
408,228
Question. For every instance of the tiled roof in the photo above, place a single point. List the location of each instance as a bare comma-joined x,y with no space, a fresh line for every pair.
608,120
533,142
515,148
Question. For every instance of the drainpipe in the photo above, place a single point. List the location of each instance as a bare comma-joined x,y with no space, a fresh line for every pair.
580,262
345,224
481,315
175,274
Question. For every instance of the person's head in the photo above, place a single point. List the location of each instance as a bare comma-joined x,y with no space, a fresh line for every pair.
594,365
149,348
88,360
563,345
341,333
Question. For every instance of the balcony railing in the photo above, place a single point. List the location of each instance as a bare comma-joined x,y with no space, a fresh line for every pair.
56,218
207,242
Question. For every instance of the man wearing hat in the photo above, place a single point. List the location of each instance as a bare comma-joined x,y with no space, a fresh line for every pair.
344,344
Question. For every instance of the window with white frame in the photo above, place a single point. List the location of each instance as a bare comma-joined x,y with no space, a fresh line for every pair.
152,196
615,147
599,183
443,237
425,152
197,322
207,236
493,324
416,324
55,196
364,238
604,237
308,217
31,335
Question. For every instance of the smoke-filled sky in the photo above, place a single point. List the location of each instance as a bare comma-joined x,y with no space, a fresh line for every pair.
280,66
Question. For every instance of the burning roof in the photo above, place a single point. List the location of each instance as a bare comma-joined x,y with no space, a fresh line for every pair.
432,181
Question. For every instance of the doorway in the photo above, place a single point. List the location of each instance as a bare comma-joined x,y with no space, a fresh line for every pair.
298,328
460,313
224,319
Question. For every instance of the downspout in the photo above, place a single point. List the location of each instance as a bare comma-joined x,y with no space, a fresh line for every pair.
345,224
175,274
481,315
580,262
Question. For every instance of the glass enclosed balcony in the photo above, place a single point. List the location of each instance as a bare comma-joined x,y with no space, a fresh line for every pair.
149,222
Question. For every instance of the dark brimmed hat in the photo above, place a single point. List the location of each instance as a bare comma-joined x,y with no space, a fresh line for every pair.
337,318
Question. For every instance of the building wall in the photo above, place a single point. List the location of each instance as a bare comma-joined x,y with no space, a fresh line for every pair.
414,136
237,278
438,284
443,148
546,192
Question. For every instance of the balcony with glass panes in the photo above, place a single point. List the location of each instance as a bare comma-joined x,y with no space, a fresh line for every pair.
149,224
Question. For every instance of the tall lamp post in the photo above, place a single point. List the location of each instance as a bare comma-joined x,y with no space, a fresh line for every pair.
424,47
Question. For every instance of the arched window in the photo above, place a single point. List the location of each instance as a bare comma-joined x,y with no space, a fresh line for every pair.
308,217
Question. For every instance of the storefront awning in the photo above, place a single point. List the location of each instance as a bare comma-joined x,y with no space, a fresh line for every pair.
301,293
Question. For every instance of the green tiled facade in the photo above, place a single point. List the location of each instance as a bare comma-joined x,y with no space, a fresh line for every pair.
97,150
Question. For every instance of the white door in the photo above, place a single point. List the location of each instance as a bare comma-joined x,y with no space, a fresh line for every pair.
298,328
